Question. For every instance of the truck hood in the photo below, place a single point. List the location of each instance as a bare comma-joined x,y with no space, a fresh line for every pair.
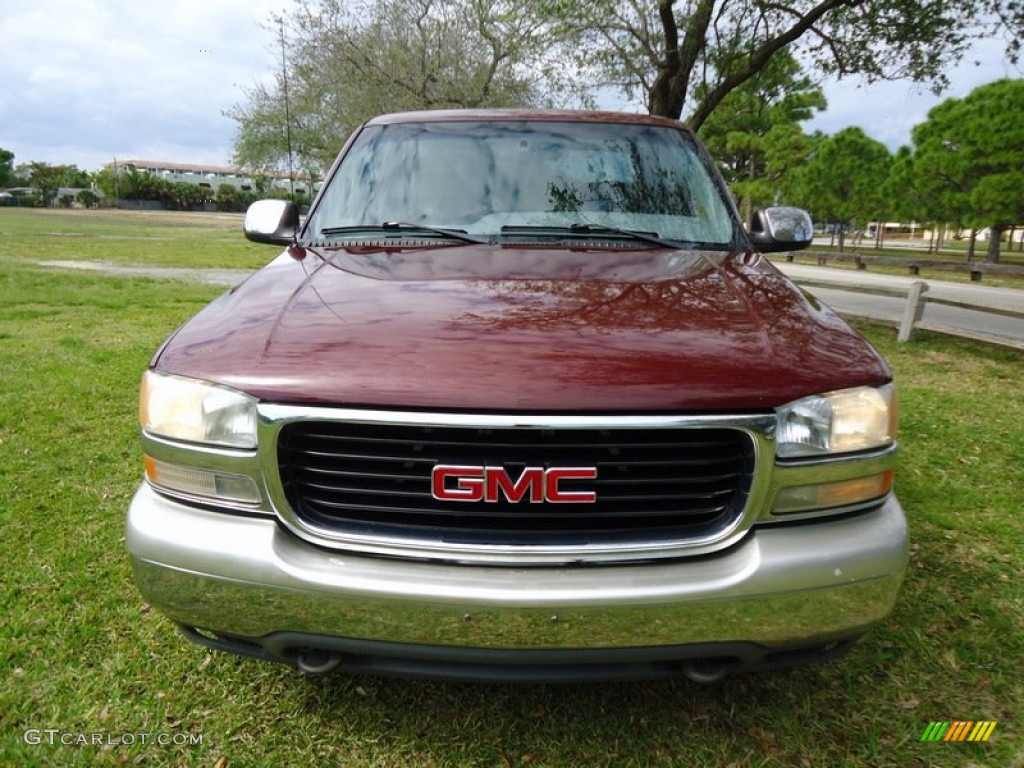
502,328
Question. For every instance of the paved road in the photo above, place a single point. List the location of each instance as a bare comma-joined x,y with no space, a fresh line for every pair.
843,290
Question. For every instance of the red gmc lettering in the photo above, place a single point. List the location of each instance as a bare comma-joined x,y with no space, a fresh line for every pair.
464,483
470,485
553,476
531,480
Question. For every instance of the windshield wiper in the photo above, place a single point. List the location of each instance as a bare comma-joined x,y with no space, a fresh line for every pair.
403,227
595,229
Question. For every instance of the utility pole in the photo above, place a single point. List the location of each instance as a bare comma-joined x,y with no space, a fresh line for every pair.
287,109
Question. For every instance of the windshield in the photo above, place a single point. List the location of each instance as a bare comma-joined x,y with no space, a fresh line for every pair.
493,177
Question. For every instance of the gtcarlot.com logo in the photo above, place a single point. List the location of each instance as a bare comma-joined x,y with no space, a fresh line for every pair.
56,736
958,730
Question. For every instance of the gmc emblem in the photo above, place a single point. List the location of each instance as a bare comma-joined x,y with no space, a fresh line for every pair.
450,482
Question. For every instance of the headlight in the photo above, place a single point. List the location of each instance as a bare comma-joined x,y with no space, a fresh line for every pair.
197,411
837,422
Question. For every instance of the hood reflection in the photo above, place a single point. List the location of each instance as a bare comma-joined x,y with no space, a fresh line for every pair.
523,328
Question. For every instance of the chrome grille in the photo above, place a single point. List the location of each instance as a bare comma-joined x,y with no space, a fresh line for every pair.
653,484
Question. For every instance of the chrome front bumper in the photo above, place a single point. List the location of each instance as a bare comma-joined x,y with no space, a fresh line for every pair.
781,587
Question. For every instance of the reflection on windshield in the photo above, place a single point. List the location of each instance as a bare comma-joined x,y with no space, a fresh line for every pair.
647,190
482,176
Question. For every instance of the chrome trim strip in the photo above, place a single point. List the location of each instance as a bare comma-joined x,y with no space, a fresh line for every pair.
839,458
270,414
207,501
272,417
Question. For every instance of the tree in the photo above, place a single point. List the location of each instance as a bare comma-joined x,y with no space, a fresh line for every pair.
906,198
6,168
688,56
75,178
228,198
182,196
50,178
105,183
87,198
231,198
755,133
843,179
348,61
969,154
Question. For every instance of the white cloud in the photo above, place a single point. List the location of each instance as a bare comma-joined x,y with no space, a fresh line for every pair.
83,81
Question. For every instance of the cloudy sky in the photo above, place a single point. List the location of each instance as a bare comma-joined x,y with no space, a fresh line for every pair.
83,81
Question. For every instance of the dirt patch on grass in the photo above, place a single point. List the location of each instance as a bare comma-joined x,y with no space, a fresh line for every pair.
208,276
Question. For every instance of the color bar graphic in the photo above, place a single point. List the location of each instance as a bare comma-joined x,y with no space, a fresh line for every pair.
958,730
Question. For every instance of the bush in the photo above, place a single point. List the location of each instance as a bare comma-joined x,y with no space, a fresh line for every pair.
228,198
88,198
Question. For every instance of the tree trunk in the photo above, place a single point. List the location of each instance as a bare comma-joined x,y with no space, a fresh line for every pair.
1009,237
995,235
970,245
668,93
696,33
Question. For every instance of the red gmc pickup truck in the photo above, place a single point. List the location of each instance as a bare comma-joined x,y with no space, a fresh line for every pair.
520,399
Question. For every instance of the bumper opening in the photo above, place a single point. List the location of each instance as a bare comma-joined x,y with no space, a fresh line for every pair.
700,662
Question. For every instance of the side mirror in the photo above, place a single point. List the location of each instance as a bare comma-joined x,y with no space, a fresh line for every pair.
781,228
272,221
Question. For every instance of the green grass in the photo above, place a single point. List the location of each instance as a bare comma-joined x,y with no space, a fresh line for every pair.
83,653
161,238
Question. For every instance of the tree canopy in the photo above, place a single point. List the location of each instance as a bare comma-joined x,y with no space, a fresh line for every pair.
49,178
842,180
969,158
347,61
683,57
6,167
755,134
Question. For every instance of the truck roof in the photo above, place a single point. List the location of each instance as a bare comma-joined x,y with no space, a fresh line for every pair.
552,115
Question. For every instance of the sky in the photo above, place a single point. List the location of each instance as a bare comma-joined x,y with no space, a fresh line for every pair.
85,81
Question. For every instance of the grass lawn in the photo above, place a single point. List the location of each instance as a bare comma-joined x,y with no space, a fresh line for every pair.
84,654
162,238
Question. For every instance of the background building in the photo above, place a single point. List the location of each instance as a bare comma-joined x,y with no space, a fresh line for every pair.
212,176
